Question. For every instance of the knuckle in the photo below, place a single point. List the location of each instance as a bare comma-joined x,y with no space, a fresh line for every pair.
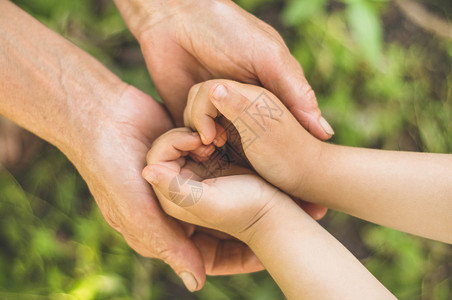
146,243
280,52
241,104
272,34
112,218
277,48
164,251
309,97
136,243
307,102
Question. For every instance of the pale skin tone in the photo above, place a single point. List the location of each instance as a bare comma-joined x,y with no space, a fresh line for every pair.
407,191
301,256
105,127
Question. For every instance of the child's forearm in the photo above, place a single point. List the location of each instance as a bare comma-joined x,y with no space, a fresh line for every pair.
404,190
307,262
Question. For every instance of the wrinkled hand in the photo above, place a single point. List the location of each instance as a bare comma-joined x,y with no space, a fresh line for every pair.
112,164
186,42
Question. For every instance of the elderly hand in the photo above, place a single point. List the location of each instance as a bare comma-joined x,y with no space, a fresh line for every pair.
112,168
186,42
105,127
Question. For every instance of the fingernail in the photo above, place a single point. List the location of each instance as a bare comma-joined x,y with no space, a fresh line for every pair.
150,175
189,281
326,126
220,92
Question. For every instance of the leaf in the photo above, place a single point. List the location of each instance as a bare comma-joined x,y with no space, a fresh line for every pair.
297,12
366,29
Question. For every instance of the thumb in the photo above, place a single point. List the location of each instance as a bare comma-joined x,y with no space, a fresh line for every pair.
173,246
235,105
244,114
185,259
287,81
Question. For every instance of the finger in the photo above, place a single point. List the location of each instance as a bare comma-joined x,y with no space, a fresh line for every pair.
200,115
186,74
225,257
183,192
221,135
247,117
172,145
204,151
203,115
184,258
282,74
192,93
157,235
316,212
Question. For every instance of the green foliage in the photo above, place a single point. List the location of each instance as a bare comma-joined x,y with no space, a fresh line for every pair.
366,29
297,12
380,81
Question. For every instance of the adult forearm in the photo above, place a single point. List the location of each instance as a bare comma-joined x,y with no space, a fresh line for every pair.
47,84
307,262
404,190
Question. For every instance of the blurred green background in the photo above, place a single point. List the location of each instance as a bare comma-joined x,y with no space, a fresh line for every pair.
382,80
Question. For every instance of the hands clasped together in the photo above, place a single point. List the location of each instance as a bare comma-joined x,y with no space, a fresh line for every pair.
261,212
231,181
105,126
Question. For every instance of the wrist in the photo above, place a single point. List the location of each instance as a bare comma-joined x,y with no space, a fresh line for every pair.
118,115
307,163
280,226
86,115
277,211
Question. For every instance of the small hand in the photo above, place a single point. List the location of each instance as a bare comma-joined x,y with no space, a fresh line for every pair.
255,124
228,203
111,163
182,151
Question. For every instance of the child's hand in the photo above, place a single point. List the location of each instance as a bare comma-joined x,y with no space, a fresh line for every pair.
231,204
277,146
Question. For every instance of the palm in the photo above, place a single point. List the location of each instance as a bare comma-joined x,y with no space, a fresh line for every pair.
187,69
181,53
129,204
125,199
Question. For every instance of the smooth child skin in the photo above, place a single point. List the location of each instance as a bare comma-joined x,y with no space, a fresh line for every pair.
391,188
299,254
